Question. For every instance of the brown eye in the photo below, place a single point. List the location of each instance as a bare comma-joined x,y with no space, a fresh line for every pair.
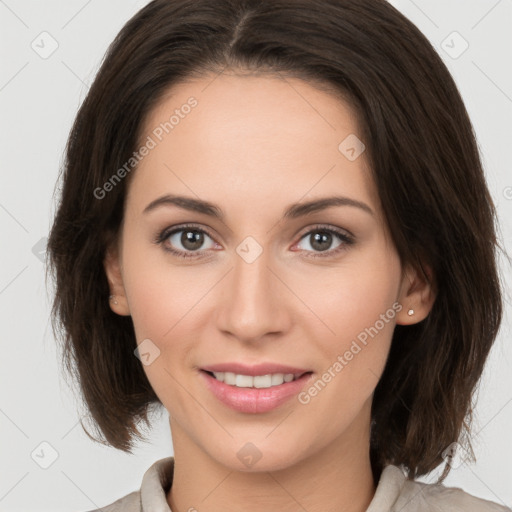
185,241
321,239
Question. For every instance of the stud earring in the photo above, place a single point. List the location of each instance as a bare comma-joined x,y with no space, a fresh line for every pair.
112,297
410,312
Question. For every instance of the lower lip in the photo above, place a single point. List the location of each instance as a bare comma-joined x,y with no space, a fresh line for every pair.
254,400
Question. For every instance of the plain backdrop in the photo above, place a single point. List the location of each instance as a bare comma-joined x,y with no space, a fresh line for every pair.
50,52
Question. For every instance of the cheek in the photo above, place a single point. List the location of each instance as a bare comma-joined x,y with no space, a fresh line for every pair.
162,302
353,362
350,298
356,314
161,308
160,295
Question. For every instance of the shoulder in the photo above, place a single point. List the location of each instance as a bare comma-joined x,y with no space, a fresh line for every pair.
156,481
128,503
423,497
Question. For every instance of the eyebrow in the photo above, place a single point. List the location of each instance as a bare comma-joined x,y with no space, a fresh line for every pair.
292,212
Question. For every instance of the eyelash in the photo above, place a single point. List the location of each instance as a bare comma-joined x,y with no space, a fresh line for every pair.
166,233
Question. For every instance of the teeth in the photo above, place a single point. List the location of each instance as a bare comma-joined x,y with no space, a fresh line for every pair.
259,381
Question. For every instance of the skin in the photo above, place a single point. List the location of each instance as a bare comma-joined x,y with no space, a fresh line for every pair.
254,145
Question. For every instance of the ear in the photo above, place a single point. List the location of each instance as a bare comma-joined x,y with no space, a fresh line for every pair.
417,296
113,269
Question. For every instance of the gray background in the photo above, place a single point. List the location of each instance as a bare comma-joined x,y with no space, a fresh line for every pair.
39,98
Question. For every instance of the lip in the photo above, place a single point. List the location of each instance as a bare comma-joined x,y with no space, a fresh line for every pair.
254,400
254,370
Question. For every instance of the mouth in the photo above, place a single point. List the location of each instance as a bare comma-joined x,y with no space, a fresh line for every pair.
254,393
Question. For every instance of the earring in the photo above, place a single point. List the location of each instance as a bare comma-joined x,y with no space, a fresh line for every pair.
410,312
112,297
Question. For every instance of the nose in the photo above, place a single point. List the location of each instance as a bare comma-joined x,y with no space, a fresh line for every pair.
254,303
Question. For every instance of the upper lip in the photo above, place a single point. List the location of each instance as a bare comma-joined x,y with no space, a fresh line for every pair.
254,370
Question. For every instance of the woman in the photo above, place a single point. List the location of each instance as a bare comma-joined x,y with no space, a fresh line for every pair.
274,223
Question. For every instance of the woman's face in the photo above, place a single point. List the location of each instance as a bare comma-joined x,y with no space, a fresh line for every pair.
263,282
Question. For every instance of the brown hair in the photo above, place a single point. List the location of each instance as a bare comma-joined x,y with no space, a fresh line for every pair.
425,163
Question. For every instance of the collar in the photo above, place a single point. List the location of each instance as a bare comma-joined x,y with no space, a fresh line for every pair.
157,481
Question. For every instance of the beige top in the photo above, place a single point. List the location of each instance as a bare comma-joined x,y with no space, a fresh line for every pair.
394,493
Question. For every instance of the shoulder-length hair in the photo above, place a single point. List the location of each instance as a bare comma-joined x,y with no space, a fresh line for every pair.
423,156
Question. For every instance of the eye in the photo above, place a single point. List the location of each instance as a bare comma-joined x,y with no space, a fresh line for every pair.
321,238
185,241
188,241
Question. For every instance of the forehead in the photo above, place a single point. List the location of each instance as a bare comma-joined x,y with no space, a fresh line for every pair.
250,137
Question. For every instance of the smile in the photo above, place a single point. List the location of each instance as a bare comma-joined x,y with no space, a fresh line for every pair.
254,394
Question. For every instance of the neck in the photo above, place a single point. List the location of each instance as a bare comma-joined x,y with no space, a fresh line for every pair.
336,477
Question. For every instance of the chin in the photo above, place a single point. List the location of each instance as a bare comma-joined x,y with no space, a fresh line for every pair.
255,457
